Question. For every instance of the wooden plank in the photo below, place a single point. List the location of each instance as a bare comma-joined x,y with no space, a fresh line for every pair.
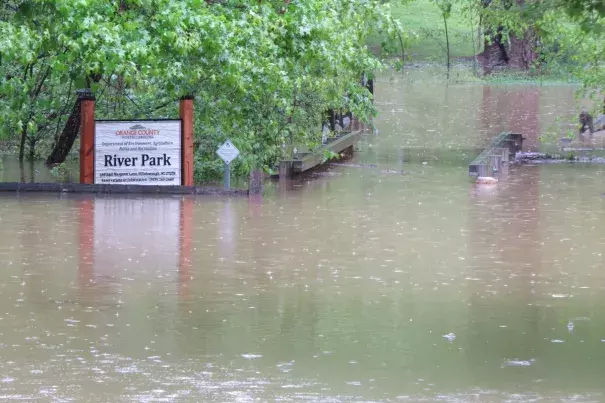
117,189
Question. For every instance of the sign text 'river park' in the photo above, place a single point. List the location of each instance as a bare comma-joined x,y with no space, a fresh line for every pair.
138,152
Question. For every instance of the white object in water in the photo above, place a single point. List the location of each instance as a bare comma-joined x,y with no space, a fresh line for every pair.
486,180
519,363
570,326
449,337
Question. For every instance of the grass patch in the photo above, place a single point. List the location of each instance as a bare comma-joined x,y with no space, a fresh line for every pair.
423,25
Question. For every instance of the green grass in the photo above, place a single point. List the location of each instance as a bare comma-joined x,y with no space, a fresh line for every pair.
423,25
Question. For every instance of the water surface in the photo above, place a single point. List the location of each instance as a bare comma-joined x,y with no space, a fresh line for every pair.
337,287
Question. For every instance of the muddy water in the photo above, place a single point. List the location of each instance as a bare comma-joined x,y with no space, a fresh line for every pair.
338,287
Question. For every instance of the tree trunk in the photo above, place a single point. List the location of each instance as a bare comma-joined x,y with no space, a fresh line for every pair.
68,136
22,144
447,45
518,52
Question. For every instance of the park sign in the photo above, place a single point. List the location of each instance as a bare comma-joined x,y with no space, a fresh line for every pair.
138,152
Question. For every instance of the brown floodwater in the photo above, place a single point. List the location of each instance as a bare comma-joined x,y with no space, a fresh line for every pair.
388,277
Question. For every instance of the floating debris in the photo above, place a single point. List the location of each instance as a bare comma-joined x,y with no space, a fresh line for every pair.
519,363
251,356
337,164
449,337
486,180
544,158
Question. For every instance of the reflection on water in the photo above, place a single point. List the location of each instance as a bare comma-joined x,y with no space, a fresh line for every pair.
336,287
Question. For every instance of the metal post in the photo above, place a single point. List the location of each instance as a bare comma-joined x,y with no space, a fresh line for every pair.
227,176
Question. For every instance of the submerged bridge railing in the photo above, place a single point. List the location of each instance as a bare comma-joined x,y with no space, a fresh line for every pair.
344,142
500,150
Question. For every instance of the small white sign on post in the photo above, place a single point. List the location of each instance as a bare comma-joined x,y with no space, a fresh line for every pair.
228,152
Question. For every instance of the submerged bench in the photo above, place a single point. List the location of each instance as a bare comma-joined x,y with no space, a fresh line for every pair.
499,151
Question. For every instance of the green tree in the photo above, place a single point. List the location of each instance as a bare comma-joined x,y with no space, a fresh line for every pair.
262,72
445,7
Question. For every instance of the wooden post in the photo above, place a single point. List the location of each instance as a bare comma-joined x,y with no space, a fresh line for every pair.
87,137
285,169
332,120
186,113
255,186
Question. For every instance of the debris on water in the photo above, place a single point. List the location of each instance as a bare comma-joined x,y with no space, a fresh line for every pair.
557,341
570,326
560,295
486,180
545,158
424,163
449,337
251,356
338,164
327,173
519,363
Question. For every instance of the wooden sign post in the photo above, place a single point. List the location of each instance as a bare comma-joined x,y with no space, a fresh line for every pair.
186,112
87,137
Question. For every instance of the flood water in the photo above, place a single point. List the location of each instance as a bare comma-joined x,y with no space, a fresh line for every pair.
357,283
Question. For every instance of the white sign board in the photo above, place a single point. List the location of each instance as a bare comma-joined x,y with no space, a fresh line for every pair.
228,152
138,152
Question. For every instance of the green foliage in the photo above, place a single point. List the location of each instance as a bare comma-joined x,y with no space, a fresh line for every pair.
330,155
60,171
262,72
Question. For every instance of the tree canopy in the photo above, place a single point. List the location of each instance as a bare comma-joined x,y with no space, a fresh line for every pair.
262,71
